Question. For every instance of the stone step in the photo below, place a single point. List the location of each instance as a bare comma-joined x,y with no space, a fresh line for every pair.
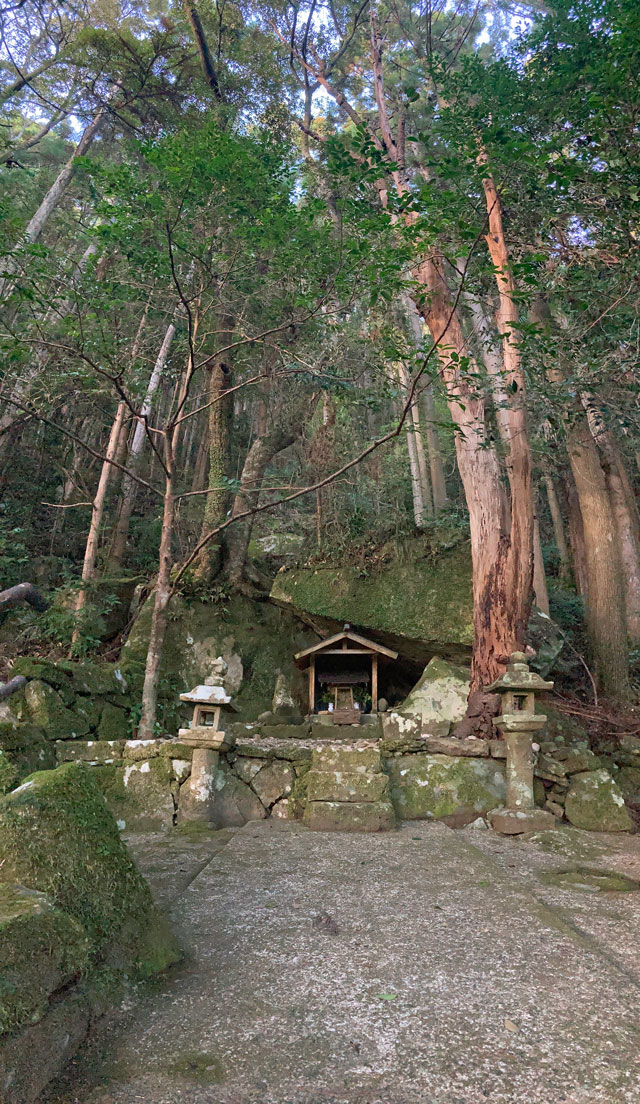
346,786
356,760
349,816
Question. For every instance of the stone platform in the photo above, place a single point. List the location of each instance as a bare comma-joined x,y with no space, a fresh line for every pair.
421,966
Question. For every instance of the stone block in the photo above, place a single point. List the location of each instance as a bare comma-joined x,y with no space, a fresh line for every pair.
594,802
628,781
247,768
345,816
274,781
579,761
437,786
358,760
346,786
286,731
89,751
283,809
515,822
114,723
147,786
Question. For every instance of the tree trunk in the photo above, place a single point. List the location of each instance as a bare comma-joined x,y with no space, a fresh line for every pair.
258,458
160,615
624,512
420,489
539,577
606,622
605,601
576,539
558,526
129,485
91,550
501,603
436,467
39,220
217,498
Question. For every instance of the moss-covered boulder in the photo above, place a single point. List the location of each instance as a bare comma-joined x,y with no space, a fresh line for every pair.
45,709
45,670
439,698
255,638
416,602
436,786
42,949
58,837
594,802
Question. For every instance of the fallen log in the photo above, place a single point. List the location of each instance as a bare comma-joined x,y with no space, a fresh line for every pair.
23,592
10,687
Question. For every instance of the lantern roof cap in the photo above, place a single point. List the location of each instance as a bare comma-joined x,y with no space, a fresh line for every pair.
518,676
208,695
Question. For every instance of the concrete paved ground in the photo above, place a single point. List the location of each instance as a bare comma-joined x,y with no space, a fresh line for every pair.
423,966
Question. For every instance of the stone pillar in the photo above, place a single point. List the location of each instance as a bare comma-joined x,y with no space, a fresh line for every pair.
520,763
197,796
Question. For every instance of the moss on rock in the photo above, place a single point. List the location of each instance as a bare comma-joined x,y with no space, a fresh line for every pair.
9,773
594,802
255,638
45,708
436,786
57,836
421,599
41,950
114,723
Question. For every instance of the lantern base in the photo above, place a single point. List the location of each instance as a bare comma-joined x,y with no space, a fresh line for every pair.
513,822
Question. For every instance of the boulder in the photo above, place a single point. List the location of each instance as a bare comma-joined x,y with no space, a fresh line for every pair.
273,782
255,639
45,671
234,802
416,599
283,705
436,786
416,603
45,709
58,837
439,698
42,949
594,802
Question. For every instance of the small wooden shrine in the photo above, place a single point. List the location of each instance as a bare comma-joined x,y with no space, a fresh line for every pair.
343,675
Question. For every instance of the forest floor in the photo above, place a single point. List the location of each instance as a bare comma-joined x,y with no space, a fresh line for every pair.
423,966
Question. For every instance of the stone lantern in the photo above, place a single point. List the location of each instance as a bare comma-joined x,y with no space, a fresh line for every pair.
209,701
518,723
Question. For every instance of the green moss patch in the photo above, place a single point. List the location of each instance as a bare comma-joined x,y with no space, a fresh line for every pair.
41,950
58,836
